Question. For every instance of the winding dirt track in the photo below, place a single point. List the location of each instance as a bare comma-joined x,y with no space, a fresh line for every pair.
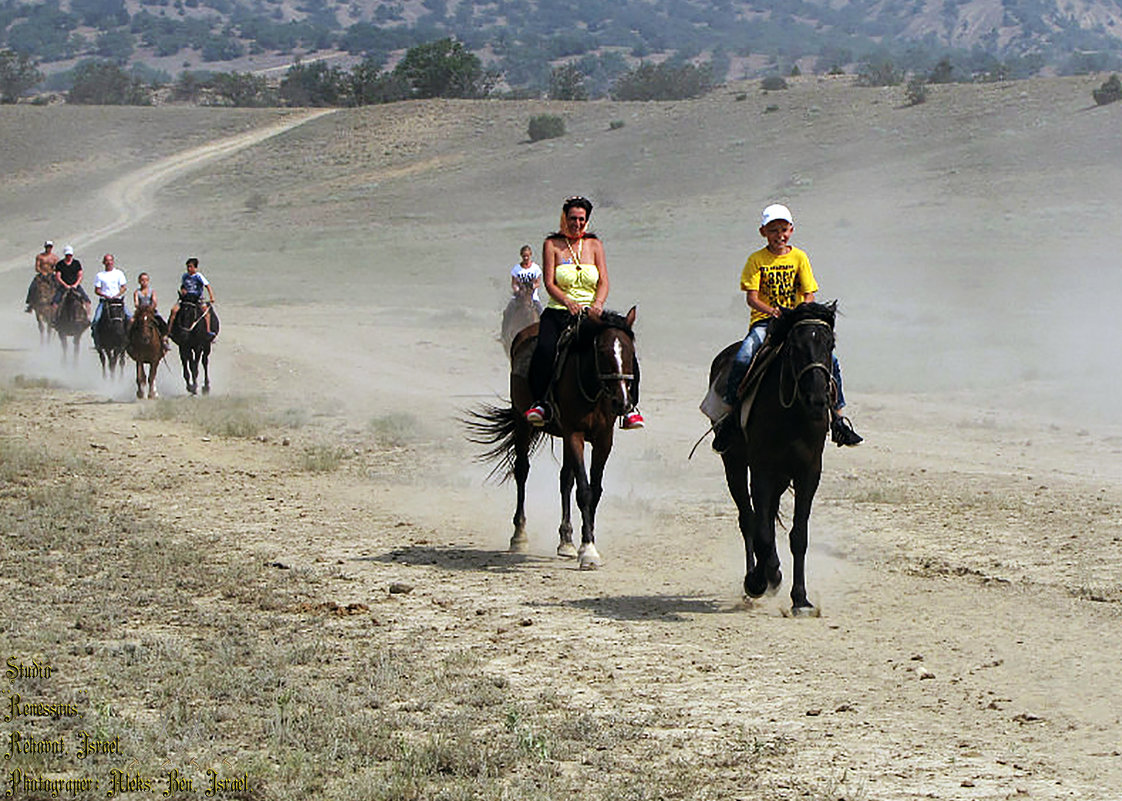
132,195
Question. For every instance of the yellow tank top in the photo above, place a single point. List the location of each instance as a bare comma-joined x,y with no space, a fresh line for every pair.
577,280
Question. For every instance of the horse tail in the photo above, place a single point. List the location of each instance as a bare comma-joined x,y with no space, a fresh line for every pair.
498,427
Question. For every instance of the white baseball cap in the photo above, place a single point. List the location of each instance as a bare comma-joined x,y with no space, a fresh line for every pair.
48,244
776,211
68,251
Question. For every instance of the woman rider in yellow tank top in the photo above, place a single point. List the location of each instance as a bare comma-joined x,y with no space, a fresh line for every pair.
575,274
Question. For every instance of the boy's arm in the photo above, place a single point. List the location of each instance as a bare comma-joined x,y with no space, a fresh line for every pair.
752,296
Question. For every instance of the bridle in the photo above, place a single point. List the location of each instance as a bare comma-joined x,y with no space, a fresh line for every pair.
603,376
787,404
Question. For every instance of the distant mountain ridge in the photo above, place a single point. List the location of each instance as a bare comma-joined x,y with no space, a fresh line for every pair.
523,39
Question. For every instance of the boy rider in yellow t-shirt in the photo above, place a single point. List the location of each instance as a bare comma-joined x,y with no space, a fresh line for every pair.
774,277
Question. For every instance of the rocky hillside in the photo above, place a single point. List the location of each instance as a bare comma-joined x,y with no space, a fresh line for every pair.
523,39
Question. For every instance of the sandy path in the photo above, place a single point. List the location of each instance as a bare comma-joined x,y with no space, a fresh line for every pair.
133,194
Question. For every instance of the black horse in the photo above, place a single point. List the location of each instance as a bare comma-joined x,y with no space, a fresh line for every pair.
779,441
190,334
70,320
592,389
111,336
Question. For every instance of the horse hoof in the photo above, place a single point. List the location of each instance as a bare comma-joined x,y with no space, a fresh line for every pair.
139,395
519,544
589,557
810,610
773,582
153,394
754,585
567,550
206,389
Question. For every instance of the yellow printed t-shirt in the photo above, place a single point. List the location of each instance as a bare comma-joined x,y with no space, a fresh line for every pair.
779,280
578,284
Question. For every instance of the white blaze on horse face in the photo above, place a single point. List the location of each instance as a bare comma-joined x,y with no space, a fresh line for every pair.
617,352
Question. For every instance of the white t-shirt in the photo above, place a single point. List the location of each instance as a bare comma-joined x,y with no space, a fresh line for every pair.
528,275
111,282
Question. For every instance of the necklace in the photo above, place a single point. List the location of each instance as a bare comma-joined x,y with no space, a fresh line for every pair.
576,254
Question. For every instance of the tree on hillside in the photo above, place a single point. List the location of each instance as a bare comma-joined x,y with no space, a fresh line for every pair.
314,84
444,69
567,83
18,73
881,72
240,89
104,83
662,82
370,85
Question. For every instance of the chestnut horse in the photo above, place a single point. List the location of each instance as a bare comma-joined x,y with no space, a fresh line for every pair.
779,442
591,390
42,291
145,347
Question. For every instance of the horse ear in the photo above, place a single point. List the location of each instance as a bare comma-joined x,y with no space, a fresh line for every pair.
631,317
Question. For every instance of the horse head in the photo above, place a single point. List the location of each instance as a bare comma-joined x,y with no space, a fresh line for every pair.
807,334
613,346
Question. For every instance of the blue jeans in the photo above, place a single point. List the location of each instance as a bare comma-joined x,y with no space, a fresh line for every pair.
743,358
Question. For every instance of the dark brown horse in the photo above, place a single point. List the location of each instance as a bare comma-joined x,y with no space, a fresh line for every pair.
591,391
71,320
145,347
190,334
111,336
779,442
40,295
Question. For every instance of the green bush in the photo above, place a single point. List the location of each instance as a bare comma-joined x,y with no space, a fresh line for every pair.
916,92
546,126
773,83
615,125
662,82
1110,91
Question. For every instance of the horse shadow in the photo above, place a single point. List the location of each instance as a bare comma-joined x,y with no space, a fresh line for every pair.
634,608
452,558
669,608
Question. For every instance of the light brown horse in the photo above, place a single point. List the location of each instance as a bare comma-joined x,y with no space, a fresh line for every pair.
42,291
592,389
145,347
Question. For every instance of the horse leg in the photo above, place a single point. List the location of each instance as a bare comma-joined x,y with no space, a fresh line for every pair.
140,380
152,393
565,547
206,368
588,557
601,450
799,537
766,575
519,542
736,477
185,358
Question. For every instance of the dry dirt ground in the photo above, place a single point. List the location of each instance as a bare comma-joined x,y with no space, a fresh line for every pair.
967,559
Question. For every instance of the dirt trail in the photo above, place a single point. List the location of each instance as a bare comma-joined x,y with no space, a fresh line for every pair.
132,195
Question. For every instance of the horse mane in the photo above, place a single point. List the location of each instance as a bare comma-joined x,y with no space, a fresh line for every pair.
781,326
590,329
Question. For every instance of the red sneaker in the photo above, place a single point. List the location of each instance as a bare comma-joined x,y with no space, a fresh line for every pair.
633,419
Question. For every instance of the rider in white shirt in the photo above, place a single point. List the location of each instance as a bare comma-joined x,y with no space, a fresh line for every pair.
109,284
